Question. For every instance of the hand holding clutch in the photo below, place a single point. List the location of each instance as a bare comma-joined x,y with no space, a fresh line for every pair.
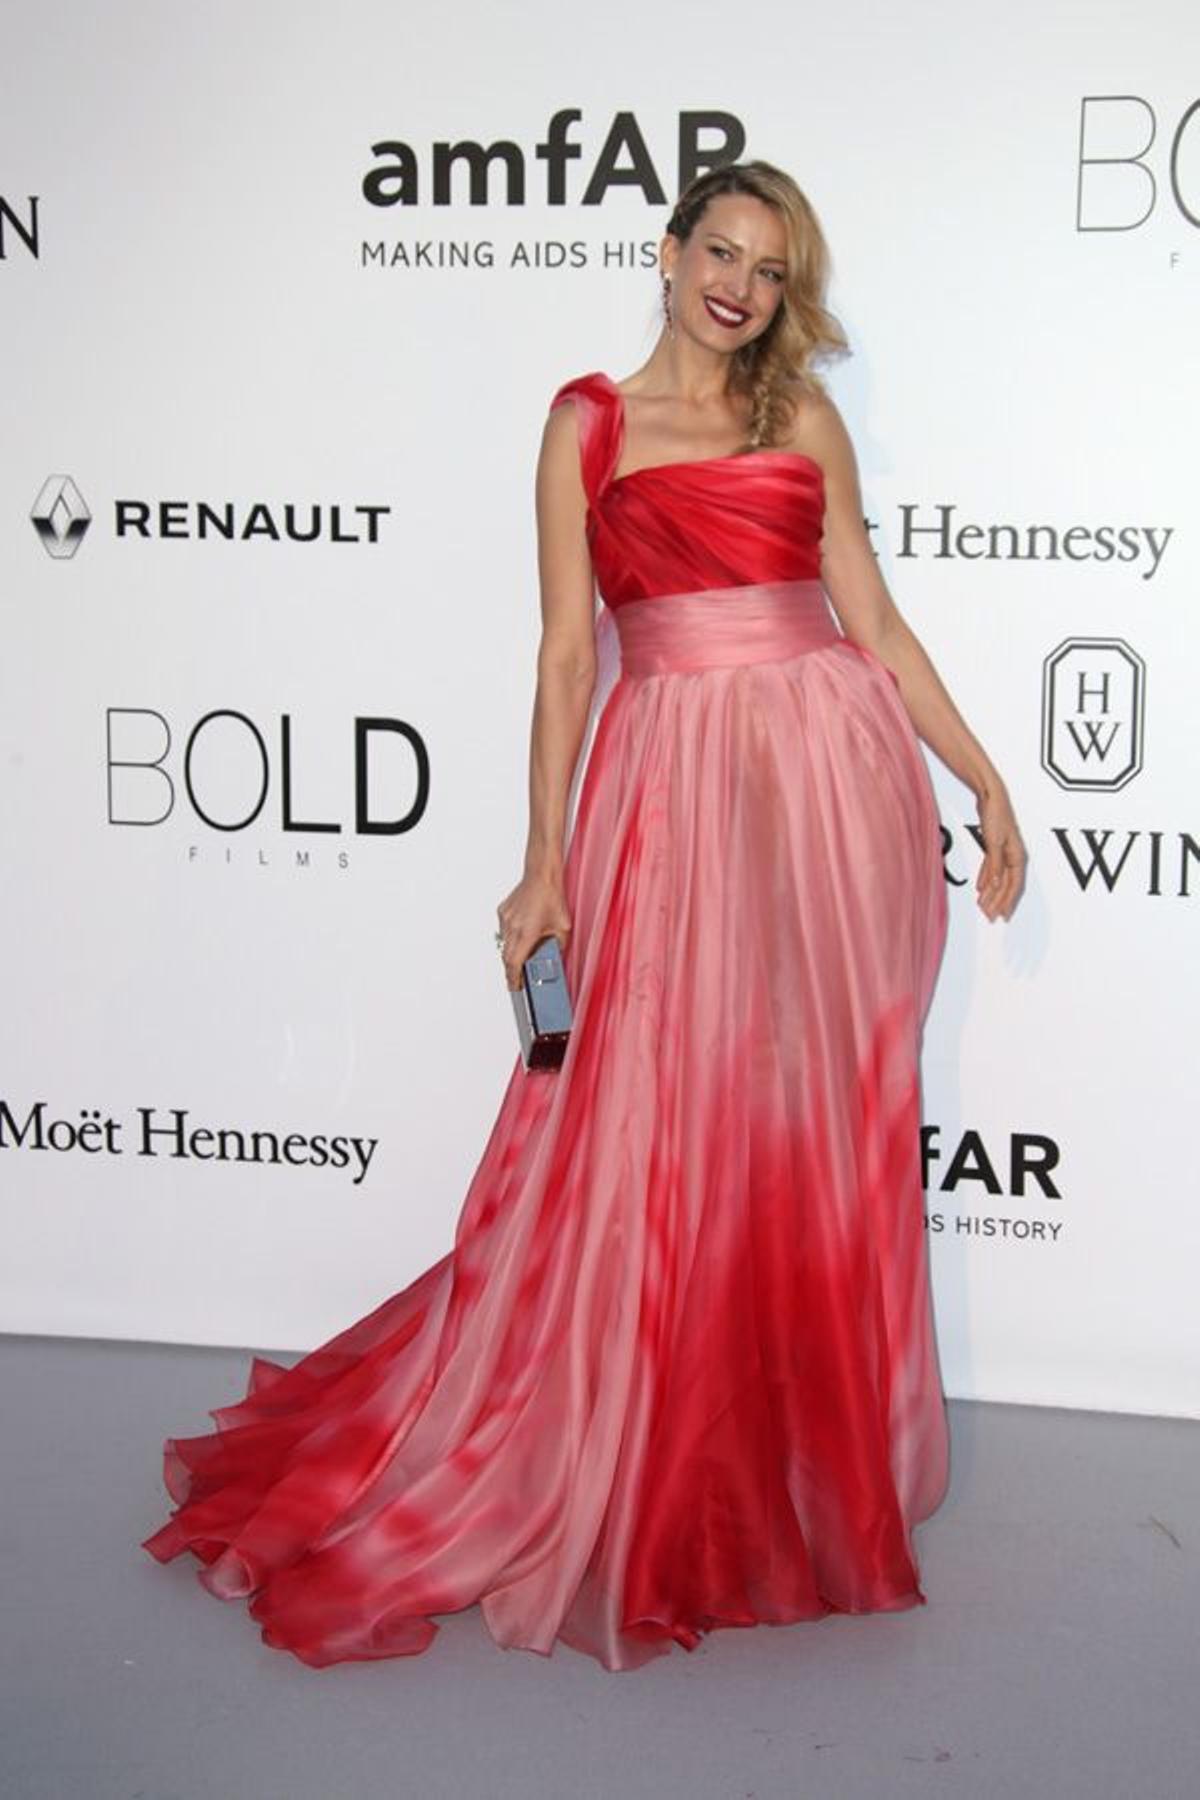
543,1006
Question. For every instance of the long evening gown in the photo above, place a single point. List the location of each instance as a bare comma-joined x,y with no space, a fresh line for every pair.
679,1369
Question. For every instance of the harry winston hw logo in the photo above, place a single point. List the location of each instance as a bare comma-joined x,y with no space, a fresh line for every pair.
60,516
1093,700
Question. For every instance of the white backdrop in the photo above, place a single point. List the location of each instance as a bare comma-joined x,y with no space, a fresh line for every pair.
205,304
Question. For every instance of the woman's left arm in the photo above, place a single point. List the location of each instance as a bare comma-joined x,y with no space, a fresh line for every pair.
869,616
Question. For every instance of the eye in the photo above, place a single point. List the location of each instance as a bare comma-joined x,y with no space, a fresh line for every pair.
720,250
775,275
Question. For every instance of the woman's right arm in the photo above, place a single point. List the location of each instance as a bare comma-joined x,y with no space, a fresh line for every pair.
566,674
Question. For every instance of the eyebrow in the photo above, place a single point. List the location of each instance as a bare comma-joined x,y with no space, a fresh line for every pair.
728,240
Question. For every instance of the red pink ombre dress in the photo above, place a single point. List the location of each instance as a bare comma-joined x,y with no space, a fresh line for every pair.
678,1370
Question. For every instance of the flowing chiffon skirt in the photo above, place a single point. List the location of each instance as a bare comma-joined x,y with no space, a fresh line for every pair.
679,1369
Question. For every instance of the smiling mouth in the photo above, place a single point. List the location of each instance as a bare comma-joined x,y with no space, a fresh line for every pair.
730,316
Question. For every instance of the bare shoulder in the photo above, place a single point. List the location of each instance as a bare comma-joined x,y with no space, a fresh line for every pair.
561,437
560,458
818,430
561,424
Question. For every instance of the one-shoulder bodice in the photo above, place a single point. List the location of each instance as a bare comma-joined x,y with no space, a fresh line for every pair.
716,522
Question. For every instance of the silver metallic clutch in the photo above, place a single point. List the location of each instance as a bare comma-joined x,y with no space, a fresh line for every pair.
543,1006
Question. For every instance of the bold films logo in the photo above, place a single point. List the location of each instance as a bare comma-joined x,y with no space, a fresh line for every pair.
227,774
1136,163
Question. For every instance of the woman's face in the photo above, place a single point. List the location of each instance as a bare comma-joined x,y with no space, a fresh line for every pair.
727,280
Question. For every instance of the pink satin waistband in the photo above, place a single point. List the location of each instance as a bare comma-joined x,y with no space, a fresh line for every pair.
720,627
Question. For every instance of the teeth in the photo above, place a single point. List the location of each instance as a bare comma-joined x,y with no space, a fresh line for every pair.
727,312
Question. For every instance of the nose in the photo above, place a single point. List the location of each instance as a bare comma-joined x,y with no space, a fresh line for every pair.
738,282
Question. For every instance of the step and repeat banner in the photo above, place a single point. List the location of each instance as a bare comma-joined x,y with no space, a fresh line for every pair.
285,298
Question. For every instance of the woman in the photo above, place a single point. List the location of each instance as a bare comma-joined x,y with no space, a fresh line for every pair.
678,1370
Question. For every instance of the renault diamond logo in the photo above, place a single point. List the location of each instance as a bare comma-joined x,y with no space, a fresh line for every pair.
1093,695
60,516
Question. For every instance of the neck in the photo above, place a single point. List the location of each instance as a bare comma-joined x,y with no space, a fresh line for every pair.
679,366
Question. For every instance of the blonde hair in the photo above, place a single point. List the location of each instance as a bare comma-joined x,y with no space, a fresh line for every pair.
780,359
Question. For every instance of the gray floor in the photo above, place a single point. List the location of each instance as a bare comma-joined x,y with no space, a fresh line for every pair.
1058,1655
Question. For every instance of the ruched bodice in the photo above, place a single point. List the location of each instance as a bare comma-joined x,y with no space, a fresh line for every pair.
714,522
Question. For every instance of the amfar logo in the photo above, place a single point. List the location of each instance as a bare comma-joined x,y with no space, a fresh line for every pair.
623,161
27,231
60,516
1020,1169
1093,694
1117,189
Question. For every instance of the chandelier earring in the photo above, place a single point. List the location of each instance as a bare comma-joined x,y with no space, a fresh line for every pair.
666,301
